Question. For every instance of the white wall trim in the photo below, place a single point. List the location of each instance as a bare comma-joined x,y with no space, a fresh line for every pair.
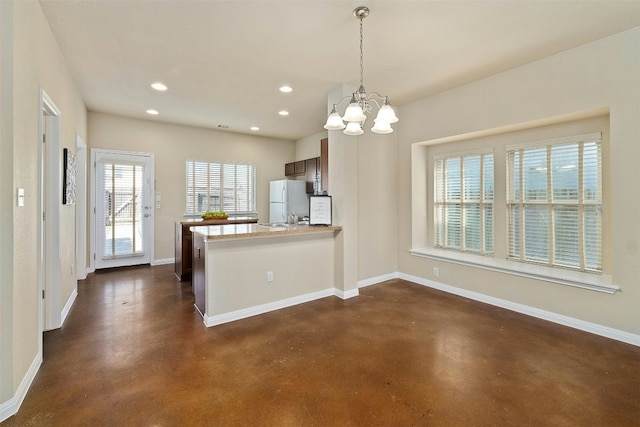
11,406
68,305
346,294
265,308
81,208
50,187
163,261
571,322
593,282
378,279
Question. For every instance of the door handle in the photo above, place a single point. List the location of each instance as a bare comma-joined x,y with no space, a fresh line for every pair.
147,215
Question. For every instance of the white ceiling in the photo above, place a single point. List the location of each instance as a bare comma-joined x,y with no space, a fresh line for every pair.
225,60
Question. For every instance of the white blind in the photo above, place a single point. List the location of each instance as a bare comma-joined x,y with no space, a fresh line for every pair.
554,200
463,203
224,187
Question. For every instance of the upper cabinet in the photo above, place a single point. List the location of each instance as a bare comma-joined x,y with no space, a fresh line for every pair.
312,170
312,167
295,168
324,164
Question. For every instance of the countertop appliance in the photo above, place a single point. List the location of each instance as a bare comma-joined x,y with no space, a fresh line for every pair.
287,196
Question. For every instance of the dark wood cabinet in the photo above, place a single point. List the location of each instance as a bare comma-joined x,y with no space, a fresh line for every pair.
295,168
311,167
312,170
184,242
199,274
290,169
183,251
300,167
324,164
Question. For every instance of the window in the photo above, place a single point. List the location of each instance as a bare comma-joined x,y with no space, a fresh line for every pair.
463,203
220,187
554,202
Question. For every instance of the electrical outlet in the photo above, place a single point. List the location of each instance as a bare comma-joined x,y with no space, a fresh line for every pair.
269,276
436,272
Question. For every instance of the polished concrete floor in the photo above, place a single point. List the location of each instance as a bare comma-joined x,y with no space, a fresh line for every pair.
133,352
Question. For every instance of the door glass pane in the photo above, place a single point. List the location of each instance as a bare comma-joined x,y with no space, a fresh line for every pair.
123,210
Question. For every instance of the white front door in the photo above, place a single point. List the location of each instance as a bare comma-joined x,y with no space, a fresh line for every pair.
124,208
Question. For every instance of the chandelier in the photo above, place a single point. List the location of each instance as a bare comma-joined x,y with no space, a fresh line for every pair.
361,103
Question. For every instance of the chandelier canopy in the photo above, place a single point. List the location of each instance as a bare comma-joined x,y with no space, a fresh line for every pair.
361,103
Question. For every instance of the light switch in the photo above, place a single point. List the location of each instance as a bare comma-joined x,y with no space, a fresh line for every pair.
20,196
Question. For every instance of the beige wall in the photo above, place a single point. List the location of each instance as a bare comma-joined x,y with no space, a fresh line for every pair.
172,145
309,147
6,201
377,205
602,75
36,62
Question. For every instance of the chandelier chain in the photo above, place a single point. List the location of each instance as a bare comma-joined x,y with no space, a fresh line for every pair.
361,55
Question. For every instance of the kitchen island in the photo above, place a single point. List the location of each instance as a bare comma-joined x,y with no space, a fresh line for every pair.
241,270
184,240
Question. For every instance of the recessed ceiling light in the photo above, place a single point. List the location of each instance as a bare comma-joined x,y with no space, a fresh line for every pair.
152,112
286,89
255,128
159,86
283,113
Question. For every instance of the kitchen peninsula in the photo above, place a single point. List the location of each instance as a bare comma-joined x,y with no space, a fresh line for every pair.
241,270
183,240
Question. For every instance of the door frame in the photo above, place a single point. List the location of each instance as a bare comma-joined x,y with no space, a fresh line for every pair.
50,192
92,207
81,209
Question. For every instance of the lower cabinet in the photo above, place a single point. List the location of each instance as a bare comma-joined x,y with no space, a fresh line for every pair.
184,236
198,272
183,251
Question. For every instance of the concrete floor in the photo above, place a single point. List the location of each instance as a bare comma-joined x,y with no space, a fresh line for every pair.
133,352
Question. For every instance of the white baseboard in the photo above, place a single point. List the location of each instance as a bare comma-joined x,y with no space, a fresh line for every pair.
11,406
377,279
163,261
571,322
68,305
265,308
346,294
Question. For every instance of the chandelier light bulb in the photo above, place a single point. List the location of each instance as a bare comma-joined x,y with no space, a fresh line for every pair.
381,127
354,113
334,121
353,129
387,114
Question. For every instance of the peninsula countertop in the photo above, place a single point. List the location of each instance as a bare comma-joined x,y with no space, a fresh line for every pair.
249,231
229,220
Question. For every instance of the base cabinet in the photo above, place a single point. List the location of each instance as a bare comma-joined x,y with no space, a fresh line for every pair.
199,274
184,239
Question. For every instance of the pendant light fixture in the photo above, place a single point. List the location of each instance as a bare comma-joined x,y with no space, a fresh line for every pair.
361,104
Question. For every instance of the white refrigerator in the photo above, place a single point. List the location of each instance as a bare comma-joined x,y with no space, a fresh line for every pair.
287,195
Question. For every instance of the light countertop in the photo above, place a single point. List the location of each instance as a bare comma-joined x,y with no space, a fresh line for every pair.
230,220
246,231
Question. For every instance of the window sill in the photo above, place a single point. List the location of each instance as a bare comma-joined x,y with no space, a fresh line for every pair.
593,282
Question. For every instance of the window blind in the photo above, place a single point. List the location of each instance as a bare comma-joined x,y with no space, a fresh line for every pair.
463,203
227,187
554,201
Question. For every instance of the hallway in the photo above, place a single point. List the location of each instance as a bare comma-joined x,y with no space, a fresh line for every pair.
134,352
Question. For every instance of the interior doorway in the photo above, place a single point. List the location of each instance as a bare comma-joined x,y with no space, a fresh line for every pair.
50,191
